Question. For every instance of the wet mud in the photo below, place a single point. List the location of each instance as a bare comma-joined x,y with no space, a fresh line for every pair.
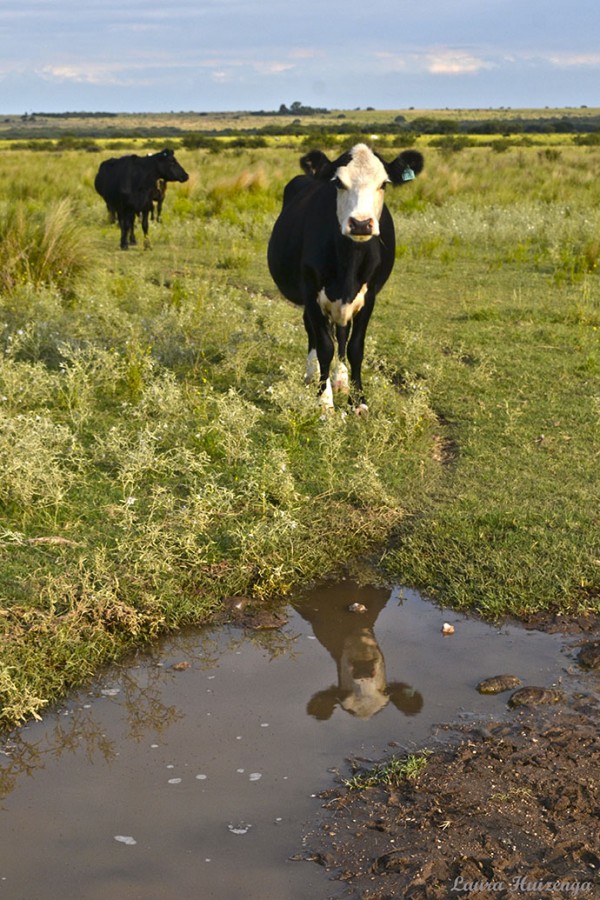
508,810
197,770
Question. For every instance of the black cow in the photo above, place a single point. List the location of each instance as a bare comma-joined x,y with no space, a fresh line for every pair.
332,250
128,186
155,202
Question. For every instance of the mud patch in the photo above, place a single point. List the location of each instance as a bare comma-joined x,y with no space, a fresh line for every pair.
512,809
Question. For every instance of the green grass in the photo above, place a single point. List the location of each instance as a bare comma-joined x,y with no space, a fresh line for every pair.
391,774
159,451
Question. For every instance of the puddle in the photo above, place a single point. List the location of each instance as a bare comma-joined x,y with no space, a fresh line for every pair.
190,772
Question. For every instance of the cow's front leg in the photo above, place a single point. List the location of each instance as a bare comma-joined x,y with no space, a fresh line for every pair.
124,231
311,372
132,239
356,350
325,357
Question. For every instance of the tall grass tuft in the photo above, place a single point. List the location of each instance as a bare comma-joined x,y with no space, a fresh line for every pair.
42,248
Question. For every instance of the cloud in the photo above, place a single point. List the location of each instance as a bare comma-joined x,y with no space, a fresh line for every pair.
273,68
83,73
455,62
575,60
105,74
305,53
438,61
160,69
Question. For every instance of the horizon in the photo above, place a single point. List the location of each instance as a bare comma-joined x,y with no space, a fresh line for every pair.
314,111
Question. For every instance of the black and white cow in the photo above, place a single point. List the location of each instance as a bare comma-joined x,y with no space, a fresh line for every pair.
128,185
332,250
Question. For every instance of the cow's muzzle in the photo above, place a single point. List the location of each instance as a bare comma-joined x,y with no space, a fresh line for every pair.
360,227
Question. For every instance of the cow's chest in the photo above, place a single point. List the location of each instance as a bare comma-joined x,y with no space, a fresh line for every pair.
341,312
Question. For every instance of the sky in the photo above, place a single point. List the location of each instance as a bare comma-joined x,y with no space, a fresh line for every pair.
226,55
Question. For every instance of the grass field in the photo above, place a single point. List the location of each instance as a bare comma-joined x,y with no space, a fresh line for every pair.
159,451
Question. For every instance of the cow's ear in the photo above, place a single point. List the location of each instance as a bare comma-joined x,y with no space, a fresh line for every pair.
405,167
316,164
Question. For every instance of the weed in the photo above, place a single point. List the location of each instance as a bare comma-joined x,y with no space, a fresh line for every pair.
16,704
390,774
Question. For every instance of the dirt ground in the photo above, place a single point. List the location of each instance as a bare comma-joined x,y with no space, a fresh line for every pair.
502,809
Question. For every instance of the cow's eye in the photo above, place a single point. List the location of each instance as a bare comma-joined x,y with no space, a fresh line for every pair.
339,184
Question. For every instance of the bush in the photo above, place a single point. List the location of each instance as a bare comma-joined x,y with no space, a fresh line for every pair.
451,143
41,249
588,140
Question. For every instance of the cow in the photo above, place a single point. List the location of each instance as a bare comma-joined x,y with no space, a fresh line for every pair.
157,196
128,185
331,251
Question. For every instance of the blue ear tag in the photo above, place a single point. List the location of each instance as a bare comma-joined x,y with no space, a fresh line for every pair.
408,174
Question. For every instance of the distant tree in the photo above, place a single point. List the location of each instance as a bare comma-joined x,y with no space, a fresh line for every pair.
298,109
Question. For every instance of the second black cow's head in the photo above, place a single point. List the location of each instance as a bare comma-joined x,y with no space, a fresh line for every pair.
361,176
168,168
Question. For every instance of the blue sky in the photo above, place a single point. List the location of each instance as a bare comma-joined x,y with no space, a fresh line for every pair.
207,55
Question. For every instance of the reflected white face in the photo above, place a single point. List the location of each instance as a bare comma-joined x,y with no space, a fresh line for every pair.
360,194
362,676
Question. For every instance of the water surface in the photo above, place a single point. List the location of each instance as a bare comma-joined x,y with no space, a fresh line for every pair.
189,772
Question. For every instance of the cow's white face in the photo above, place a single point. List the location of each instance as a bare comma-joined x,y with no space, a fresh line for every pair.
360,192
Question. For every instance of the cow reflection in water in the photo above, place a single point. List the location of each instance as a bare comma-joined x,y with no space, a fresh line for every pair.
362,688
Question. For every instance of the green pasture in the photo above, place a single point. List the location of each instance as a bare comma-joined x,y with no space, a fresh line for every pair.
160,452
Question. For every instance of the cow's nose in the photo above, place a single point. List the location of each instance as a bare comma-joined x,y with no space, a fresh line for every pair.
360,226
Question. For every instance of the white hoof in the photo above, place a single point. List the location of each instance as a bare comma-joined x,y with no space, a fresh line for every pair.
361,410
326,398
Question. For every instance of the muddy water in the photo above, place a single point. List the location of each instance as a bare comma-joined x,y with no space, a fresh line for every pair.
189,773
